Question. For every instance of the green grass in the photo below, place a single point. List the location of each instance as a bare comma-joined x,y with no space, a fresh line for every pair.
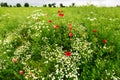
10,18
106,21
107,28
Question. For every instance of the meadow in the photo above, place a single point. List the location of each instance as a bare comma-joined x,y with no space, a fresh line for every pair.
72,43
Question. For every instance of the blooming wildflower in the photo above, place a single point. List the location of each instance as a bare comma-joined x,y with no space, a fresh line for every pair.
70,28
94,30
70,34
60,15
60,11
105,41
21,72
56,26
14,60
50,21
67,53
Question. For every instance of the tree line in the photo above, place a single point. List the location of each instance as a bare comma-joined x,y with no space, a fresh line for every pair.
54,5
4,4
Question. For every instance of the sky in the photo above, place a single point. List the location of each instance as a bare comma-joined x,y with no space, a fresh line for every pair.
65,2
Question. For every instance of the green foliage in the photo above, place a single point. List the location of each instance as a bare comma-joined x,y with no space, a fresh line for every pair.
49,5
4,4
61,5
26,5
18,5
40,45
45,5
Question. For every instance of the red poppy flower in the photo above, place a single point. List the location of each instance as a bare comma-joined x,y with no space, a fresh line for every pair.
50,21
14,60
21,72
60,15
56,26
94,30
70,24
70,28
59,11
105,41
70,34
67,53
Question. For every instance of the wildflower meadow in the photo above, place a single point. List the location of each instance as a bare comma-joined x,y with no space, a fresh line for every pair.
75,43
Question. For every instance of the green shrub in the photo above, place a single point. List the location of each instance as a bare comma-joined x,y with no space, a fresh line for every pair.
52,51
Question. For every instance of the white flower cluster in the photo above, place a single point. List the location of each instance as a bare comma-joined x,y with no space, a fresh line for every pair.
112,75
36,15
23,57
91,19
63,67
68,67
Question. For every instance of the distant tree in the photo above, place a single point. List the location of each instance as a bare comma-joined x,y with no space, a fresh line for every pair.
14,5
44,5
73,4
10,5
49,5
26,5
92,5
53,4
118,6
18,5
61,5
4,4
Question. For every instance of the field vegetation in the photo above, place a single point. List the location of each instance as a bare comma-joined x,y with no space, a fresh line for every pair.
72,43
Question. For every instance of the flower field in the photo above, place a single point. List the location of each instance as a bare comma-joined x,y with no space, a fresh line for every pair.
77,43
